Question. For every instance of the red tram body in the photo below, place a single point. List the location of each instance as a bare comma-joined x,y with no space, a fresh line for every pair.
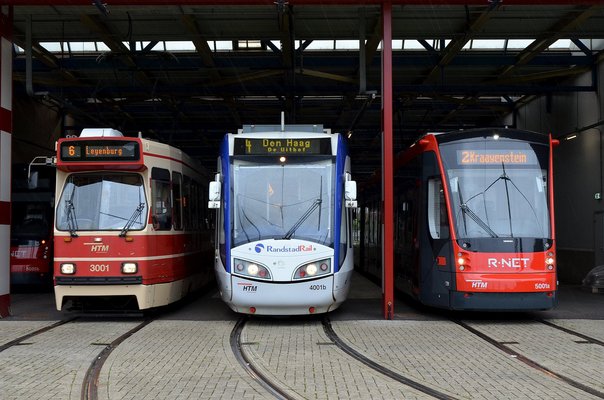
474,221
31,246
130,221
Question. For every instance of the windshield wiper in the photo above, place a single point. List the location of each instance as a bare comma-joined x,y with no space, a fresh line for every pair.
507,179
316,204
72,223
132,219
466,210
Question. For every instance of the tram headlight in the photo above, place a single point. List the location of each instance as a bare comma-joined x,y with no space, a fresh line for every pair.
68,269
129,268
313,269
254,270
463,261
549,262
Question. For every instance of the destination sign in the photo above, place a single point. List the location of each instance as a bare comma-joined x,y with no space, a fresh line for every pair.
100,150
285,146
498,157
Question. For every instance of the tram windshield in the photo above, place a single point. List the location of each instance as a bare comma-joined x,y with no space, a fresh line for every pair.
293,200
102,201
498,188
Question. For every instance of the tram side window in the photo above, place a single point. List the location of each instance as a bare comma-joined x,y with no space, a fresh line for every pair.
196,208
177,198
437,210
162,206
186,203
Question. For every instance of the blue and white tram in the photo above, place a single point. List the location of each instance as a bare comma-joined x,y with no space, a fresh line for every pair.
284,197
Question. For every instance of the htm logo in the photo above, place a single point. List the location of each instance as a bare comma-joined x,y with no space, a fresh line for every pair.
98,247
478,284
259,247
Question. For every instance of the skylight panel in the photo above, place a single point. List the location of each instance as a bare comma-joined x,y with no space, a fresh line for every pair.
101,46
519,44
347,44
223,45
249,44
53,47
561,44
321,45
411,44
82,47
176,45
488,44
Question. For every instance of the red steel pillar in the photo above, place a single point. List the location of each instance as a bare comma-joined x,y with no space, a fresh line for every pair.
387,163
6,128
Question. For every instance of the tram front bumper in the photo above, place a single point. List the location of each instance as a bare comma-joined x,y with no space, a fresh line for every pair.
283,298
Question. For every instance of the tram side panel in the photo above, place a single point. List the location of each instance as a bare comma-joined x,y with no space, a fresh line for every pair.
435,276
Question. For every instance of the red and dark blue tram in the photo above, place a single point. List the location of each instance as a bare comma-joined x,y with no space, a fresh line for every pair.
474,221
32,209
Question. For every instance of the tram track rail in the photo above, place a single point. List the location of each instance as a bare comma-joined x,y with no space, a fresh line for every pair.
533,364
268,384
333,336
91,379
587,338
18,341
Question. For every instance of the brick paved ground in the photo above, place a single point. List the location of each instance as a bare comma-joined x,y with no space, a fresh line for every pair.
301,358
446,355
178,360
186,354
557,351
52,365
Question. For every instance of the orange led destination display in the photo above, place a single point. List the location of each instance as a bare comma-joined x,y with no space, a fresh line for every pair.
282,146
492,157
95,150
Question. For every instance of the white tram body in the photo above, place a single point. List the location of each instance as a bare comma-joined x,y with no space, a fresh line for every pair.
130,221
283,196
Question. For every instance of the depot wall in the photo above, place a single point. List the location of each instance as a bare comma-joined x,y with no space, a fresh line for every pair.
36,129
578,174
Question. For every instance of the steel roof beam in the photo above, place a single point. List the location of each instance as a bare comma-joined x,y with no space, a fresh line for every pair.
455,46
292,2
558,31
561,28
96,25
45,56
207,58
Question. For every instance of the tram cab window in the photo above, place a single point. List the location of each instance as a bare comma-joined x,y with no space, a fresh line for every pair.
437,209
162,206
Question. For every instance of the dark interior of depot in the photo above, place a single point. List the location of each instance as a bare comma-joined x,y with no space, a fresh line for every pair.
187,74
